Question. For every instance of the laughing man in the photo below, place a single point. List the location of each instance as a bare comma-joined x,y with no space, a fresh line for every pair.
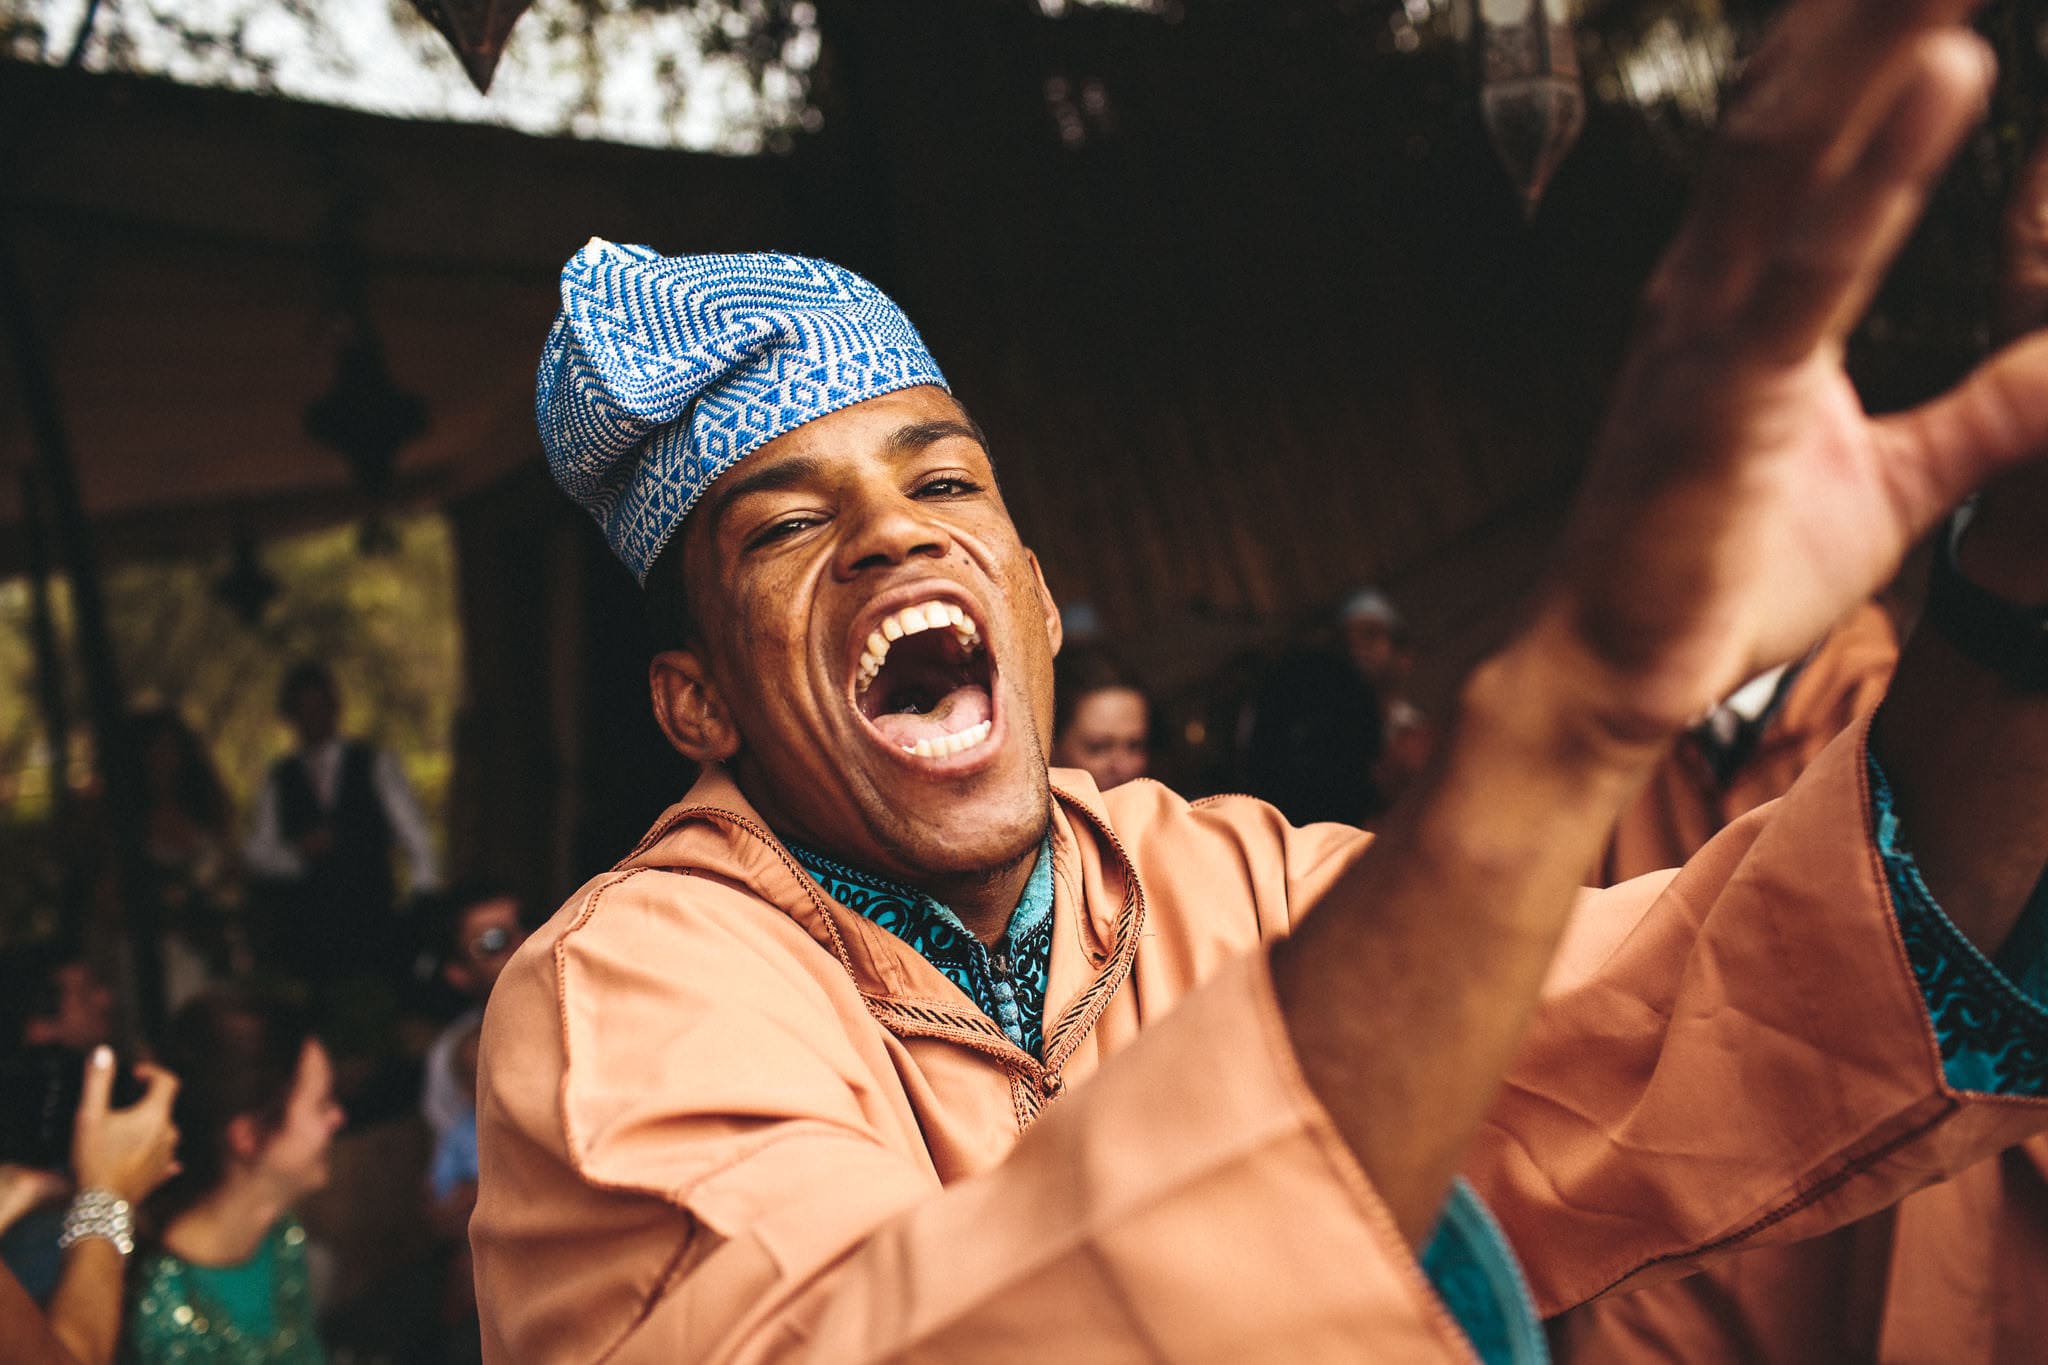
888,1043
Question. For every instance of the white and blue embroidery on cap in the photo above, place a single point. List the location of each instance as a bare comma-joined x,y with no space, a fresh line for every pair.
662,372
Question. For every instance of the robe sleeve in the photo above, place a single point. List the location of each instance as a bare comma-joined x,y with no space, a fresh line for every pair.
1745,1053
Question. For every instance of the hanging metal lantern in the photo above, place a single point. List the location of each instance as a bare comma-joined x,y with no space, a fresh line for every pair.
476,29
247,587
365,416
1530,94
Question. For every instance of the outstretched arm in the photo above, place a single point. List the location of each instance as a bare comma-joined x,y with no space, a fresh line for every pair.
1739,501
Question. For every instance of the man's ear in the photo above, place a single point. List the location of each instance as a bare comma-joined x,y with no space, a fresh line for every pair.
244,1137
1055,629
689,708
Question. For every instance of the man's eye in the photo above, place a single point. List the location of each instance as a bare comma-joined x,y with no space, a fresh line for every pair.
780,530
947,488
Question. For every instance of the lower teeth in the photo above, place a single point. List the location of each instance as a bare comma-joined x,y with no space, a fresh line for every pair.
946,745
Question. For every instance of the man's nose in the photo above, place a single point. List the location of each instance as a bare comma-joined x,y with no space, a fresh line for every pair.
889,531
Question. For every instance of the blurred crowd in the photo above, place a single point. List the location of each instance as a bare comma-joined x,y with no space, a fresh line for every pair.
284,1166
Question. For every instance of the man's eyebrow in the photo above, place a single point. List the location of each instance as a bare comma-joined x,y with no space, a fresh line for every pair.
917,435
798,469
772,478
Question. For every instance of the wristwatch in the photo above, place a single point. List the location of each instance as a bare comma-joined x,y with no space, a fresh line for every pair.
2009,639
102,1214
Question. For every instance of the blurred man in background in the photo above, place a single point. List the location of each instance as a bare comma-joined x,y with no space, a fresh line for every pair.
328,819
482,926
1381,646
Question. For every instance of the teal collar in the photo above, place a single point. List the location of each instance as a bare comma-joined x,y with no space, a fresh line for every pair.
1006,980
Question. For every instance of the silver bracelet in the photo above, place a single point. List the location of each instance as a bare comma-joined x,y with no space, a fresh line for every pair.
99,1213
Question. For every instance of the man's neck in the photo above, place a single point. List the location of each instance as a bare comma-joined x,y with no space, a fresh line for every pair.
984,900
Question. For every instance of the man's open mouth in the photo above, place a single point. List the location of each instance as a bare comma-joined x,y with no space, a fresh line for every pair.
923,681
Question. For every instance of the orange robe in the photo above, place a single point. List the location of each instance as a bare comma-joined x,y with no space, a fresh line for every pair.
1684,804
724,1118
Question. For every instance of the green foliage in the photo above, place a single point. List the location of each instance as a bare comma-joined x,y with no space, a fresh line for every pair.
386,625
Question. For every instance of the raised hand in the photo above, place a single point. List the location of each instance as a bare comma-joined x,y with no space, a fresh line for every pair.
126,1151
1740,500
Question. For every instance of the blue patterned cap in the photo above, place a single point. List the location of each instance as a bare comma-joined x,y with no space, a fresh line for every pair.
662,372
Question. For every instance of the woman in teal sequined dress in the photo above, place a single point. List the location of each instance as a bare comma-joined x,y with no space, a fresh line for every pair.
256,1116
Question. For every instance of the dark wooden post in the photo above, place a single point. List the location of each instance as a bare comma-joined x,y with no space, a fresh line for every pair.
106,704
55,705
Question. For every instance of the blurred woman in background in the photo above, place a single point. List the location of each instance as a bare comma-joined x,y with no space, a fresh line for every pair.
192,864
257,1119
1101,720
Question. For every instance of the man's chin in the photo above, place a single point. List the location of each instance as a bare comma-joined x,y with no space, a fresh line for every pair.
953,837
939,828
913,820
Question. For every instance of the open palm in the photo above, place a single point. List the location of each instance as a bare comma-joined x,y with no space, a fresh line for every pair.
1741,500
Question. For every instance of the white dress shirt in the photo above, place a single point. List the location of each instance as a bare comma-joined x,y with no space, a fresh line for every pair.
269,854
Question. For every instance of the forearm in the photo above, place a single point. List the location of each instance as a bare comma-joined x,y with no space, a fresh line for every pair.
1407,991
25,1337
1967,751
85,1312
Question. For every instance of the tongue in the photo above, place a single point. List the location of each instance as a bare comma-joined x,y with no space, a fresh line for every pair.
964,706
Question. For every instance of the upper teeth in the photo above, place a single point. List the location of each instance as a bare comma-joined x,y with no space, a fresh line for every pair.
912,621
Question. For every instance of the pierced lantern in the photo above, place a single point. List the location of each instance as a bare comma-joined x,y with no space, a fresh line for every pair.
366,417
1530,94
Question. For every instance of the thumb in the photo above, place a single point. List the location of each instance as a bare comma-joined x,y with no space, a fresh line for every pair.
98,1089
1950,446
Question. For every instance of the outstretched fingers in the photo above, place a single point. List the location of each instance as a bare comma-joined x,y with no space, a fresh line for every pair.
1834,249
1846,117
